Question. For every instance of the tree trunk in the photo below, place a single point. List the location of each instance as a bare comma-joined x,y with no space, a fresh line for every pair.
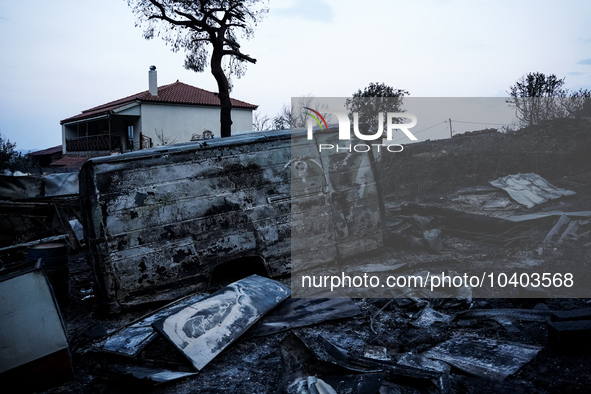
224,94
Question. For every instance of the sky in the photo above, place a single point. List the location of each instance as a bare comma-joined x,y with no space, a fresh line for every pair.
64,56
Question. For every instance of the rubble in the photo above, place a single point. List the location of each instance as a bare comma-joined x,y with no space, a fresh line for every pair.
429,316
131,339
417,342
483,357
542,215
569,331
329,352
342,346
38,186
434,239
566,230
343,355
496,204
418,361
157,375
564,220
570,336
36,242
507,317
300,312
575,314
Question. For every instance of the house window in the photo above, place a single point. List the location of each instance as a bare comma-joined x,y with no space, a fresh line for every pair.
96,127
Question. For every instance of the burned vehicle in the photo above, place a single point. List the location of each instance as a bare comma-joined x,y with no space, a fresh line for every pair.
161,223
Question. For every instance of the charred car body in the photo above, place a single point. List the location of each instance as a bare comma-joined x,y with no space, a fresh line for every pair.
160,223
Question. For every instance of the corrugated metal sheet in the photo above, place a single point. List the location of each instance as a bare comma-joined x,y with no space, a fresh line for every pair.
530,189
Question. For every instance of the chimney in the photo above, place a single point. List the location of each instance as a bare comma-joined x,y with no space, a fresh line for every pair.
152,81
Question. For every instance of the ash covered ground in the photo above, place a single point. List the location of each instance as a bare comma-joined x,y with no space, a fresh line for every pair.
409,344
388,328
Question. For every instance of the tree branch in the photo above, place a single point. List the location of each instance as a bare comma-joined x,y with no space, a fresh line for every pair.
239,55
218,22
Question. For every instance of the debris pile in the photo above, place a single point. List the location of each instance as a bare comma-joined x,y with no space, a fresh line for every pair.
250,335
567,230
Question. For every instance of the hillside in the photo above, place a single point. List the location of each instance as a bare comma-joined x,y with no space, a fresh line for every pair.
553,150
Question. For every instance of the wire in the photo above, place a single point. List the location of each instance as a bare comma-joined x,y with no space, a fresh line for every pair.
457,121
420,131
376,315
430,127
463,121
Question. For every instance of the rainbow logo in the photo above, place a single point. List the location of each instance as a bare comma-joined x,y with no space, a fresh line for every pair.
316,118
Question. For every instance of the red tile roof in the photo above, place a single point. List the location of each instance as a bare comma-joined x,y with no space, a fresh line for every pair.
48,151
175,93
70,162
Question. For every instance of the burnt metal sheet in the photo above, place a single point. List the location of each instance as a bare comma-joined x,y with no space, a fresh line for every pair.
420,362
537,315
31,327
158,375
543,215
483,357
428,316
131,339
37,186
573,314
21,221
306,372
368,383
507,317
530,189
205,328
405,368
300,312
18,187
571,336
61,184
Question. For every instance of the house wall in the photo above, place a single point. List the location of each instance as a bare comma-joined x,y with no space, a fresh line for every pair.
178,122
181,122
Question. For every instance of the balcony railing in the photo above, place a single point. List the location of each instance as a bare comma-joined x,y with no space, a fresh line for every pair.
94,143
145,142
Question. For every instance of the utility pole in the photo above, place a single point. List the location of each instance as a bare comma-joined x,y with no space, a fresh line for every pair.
450,130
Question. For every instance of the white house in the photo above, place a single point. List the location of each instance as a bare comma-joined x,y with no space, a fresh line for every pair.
178,111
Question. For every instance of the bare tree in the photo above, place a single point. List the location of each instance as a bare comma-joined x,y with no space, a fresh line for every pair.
261,122
164,139
534,97
282,120
288,116
538,97
578,103
194,25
